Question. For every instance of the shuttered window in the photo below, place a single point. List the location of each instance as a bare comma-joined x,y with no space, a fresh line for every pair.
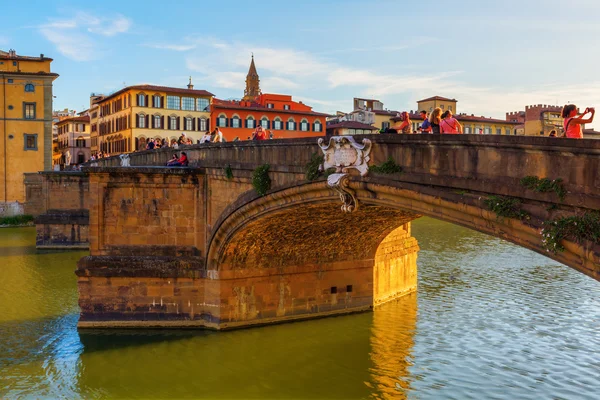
172,122
188,124
318,126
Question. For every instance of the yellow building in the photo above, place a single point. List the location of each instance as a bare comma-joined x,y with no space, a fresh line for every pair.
121,122
431,103
25,123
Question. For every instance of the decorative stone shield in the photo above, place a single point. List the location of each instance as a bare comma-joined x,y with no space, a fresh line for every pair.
343,154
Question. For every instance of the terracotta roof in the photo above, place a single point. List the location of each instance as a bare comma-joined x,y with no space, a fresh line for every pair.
41,73
384,112
151,88
258,107
6,56
436,98
590,132
351,125
74,119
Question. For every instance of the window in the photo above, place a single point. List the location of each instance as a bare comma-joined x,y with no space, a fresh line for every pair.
449,108
157,121
442,106
277,124
141,121
202,124
235,122
487,130
250,123
29,110
269,105
286,106
156,103
202,104
351,131
172,121
507,131
222,120
80,158
430,109
10,81
264,122
498,131
80,142
30,142
467,129
187,103
29,87
188,123
14,63
319,127
291,125
141,100
173,102
304,125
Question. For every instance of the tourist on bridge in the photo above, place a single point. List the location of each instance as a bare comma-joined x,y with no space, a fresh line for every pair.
426,125
259,134
552,133
434,120
180,162
572,123
218,138
449,124
173,159
405,126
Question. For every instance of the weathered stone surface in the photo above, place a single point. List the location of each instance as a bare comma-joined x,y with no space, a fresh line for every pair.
292,254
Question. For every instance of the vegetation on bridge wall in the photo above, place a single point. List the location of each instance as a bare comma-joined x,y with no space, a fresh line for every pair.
228,172
313,169
544,185
387,167
17,220
260,179
577,228
506,207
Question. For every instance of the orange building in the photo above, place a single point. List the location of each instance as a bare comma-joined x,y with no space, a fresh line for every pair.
277,113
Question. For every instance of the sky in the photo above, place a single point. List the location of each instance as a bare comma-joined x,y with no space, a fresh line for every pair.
493,57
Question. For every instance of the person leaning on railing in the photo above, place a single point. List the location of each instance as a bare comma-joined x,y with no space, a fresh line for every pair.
572,123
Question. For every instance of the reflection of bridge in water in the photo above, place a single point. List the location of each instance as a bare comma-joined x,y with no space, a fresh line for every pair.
199,246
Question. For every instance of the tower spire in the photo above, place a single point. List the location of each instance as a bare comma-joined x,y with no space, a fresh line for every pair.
190,86
252,82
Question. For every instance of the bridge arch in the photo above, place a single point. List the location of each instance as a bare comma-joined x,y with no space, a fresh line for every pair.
383,202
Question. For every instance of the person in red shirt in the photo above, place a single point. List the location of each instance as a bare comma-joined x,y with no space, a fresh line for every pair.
259,134
181,162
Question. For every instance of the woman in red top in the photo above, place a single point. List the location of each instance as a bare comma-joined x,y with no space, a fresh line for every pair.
449,124
572,123
405,126
259,134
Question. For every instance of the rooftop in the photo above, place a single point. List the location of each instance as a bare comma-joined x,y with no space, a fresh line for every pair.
74,119
436,98
155,88
12,55
252,105
351,125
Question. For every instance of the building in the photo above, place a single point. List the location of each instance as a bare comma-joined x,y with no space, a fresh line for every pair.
73,140
431,103
25,123
350,128
591,134
277,113
122,121
538,120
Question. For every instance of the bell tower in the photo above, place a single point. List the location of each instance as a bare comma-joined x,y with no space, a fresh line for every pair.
252,83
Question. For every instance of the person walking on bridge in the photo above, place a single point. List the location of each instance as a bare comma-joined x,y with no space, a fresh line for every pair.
449,124
572,122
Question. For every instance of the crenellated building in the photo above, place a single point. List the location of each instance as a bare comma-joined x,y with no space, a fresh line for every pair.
538,120
25,123
121,122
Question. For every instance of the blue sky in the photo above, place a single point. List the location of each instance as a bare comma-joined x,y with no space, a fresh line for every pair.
493,57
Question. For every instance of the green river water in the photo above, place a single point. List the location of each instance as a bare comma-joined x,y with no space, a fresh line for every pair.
490,321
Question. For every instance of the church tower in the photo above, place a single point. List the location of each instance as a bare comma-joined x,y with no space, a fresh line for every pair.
252,83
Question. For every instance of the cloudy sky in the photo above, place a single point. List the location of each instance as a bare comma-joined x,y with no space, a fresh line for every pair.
493,57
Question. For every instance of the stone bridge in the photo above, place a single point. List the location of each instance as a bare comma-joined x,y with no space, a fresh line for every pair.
200,247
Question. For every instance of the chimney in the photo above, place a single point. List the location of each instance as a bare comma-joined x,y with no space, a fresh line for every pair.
190,86
42,56
12,53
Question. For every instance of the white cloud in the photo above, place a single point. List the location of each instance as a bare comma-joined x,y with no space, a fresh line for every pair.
77,37
3,41
174,47
225,64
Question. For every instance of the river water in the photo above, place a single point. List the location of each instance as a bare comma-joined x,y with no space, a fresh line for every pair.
490,321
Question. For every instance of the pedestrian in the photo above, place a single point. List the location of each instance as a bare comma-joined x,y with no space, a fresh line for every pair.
552,133
425,125
218,138
449,124
435,120
405,126
572,123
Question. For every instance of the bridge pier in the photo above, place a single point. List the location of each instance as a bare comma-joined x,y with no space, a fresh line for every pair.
149,268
